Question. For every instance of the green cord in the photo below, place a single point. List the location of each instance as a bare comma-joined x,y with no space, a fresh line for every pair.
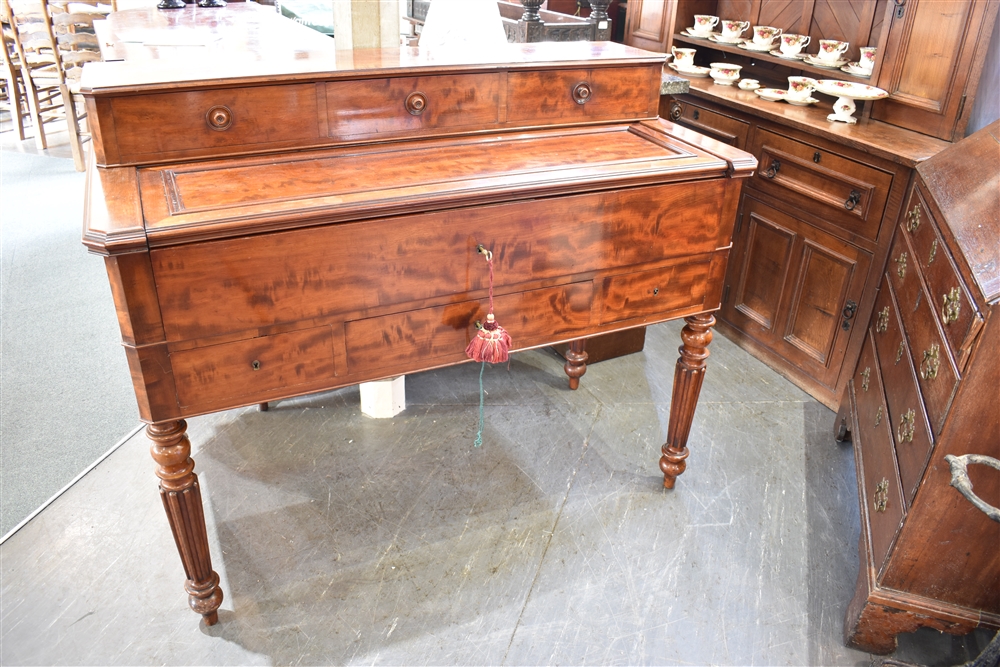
479,434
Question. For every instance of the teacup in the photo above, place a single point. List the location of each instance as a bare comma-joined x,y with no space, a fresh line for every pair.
867,61
703,24
725,73
830,50
763,35
790,44
733,29
749,84
683,57
800,87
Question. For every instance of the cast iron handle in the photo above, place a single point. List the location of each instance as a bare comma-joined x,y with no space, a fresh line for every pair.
772,171
848,313
853,200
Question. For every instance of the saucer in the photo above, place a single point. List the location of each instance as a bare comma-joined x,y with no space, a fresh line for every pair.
748,86
749,45
715,37
855,69
779,54
801,103
772,94
816,62
693,70
688,32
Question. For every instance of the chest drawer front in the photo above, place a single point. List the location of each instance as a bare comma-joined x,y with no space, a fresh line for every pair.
567,96
908,423
216,376
231,285
195,123
880,483
411,105
936,371
654,293
853,194
724,128
952,305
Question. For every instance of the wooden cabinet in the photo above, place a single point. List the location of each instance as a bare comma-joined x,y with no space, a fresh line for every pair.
924,391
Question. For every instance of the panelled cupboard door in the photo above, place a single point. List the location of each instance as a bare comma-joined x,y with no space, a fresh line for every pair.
790,288
933,58
649,24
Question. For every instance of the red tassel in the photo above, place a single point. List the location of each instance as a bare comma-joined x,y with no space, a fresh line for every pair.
491,344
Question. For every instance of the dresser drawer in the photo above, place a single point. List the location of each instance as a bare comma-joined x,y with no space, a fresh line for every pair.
936,372
568,96
878,477
719,126
217,376
411,105
907,417
853,193
210,122
654,293
952,304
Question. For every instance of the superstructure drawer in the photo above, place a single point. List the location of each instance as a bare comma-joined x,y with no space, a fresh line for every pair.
716,125
582,95
853,193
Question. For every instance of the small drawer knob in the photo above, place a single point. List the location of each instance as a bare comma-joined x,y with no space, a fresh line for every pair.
219,118
416,103
582,92
676,111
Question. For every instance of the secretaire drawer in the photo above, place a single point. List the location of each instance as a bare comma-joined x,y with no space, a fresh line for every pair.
719,126
959,318
211,122
578,95
853,193
879,481
907,417
411,105
936,371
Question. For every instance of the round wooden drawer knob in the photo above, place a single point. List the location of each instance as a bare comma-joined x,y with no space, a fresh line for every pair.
582,93
416,103
219,118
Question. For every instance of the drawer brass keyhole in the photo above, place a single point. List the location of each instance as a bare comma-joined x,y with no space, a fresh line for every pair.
817,156
881,500
906,426
931,362
255,365
913,218
656,290
883,320
952,305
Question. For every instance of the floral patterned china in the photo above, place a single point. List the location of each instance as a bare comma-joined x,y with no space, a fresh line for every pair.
846,92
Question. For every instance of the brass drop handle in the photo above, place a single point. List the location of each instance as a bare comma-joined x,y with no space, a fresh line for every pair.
930,259
900,350
582,92
883,320
866,377
913,219
853,200
849,310
772,171
901,265
878,416
907,425
930,363
219,118
416,103
960,479
952,305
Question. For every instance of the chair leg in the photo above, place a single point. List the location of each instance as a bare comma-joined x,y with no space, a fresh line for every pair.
36,115
73,124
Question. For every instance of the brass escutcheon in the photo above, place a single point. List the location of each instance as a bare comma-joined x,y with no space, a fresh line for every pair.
878,416
930,260
952,305
883,320
899,351
913,218
929,364
881,500
901,265
906,426
865,376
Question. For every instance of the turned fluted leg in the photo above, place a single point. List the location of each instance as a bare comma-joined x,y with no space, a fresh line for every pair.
688,376
576,362
181,497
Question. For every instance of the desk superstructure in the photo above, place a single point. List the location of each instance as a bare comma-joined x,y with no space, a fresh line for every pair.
276,226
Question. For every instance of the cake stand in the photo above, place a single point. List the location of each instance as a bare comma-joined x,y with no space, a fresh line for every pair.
846,92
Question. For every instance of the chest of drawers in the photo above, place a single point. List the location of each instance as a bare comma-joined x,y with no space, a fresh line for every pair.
926,387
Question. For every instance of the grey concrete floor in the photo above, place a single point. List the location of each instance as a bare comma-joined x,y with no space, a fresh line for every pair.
341,539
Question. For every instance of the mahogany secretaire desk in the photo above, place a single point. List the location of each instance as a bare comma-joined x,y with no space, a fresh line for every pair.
278,218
